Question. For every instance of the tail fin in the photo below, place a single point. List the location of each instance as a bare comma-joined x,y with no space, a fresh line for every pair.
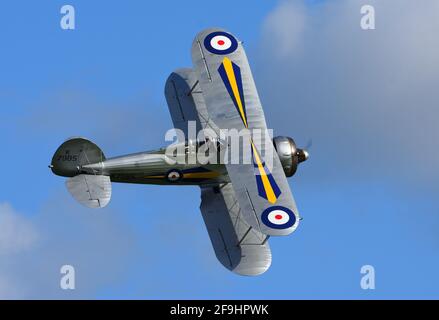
74,153
93,191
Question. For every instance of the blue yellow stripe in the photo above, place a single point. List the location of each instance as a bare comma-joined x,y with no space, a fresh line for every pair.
267,186
231,75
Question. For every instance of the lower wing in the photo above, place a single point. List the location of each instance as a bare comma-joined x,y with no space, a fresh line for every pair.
239,247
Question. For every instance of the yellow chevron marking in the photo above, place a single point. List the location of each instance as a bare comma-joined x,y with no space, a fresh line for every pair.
271,197
232,79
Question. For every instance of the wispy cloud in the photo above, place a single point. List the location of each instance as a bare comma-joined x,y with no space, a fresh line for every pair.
368,99
17,234
121,126
97,243
285,27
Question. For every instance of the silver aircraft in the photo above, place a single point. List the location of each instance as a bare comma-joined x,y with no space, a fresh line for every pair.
242,204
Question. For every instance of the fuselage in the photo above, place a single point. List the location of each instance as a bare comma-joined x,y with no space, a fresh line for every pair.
155,167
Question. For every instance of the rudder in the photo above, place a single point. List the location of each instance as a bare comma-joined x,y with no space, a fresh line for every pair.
74,153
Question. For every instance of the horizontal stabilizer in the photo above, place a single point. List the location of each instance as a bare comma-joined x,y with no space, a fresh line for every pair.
93,191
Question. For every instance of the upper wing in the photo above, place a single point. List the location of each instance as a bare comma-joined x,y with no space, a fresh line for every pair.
232,102
238,247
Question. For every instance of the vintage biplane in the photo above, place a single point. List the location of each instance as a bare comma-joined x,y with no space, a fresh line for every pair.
242,204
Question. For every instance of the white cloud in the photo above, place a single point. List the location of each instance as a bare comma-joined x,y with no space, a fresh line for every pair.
284,26
368,99
96,243
17,234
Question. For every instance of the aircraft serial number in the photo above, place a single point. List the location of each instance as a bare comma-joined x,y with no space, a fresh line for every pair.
68,157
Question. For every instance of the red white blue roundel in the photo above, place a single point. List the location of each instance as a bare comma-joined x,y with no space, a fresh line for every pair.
220,43
278,217
174,175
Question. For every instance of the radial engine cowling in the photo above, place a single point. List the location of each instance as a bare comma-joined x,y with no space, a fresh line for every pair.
290,156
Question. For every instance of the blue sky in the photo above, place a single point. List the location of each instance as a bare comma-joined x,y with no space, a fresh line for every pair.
367,99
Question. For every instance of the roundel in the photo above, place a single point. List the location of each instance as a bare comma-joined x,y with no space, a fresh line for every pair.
174,175
278,217
220,43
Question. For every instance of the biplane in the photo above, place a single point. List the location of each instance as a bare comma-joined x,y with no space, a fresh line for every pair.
242,204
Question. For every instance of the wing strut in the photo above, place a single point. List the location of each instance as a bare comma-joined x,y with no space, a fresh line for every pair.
243,237
193,88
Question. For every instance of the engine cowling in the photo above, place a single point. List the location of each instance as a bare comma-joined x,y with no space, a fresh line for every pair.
290,156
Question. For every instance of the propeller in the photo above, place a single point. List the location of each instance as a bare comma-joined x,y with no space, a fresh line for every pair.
303,154
308,145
